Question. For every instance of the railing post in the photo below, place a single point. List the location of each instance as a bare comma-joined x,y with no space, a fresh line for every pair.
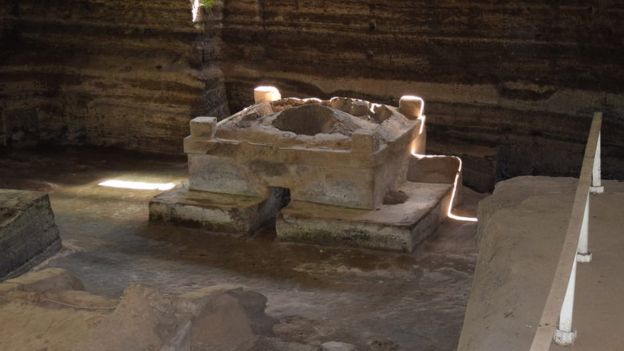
565,335
596,186
582,253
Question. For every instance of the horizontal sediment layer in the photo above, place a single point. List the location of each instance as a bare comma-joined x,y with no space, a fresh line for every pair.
114,73
521,78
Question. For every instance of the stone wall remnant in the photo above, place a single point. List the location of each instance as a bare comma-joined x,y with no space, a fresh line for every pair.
331,171
28,233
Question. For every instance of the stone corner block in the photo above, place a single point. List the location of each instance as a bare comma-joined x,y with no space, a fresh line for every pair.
411,106
204,127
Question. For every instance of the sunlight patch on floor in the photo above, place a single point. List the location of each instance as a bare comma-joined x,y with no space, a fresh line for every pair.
126,184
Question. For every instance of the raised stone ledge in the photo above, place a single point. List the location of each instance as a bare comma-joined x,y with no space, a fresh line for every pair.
28,234
396,227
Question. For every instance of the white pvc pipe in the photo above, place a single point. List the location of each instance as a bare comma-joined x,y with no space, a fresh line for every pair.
582,254
596,186
565,335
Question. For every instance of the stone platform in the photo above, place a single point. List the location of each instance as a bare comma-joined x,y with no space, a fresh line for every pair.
398,227
28,234
341,171
216,212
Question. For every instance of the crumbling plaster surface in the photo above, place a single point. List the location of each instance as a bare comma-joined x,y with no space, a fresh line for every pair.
294,161
351,152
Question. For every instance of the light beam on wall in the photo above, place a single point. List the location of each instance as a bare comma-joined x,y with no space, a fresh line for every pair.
450,213
266,93
126,184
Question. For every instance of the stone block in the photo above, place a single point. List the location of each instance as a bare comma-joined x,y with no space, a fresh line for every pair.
204,127
196,145
28,234
396,227
411,106
438,169
223,175
215,212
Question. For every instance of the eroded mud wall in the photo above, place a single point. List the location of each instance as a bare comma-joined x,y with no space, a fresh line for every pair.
106,72
510,85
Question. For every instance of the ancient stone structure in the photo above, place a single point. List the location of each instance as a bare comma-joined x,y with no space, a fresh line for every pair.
28,234
341,166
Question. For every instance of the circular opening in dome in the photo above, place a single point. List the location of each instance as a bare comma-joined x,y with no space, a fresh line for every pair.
306,120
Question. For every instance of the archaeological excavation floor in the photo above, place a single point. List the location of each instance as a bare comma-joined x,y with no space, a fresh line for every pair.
376,300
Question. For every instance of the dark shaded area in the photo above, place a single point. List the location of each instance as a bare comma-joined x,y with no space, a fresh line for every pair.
306,120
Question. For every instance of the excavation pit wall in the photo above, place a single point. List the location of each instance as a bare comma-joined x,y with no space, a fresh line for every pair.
510,87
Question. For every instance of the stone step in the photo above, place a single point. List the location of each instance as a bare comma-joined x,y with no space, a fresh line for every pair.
28,234
397,227
215,212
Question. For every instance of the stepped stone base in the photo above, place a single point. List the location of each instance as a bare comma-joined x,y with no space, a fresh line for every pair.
28,234
398,227
215,212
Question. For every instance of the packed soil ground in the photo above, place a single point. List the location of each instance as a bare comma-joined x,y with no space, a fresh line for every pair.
373,299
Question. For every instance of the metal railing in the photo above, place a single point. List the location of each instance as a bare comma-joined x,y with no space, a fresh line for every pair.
556,321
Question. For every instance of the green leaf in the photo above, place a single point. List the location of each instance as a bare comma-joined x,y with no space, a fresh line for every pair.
208,4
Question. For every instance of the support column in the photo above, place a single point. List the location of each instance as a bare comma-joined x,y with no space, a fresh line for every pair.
565,335
582,254
596,186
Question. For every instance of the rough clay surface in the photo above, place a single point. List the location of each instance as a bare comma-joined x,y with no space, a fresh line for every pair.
44,310
28,233
372,299
521,229
337,346
314,122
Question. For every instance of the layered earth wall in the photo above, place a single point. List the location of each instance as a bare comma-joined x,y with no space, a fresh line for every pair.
510,86
129,74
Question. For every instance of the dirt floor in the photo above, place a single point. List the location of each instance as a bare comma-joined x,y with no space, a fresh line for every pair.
376,300
523,226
